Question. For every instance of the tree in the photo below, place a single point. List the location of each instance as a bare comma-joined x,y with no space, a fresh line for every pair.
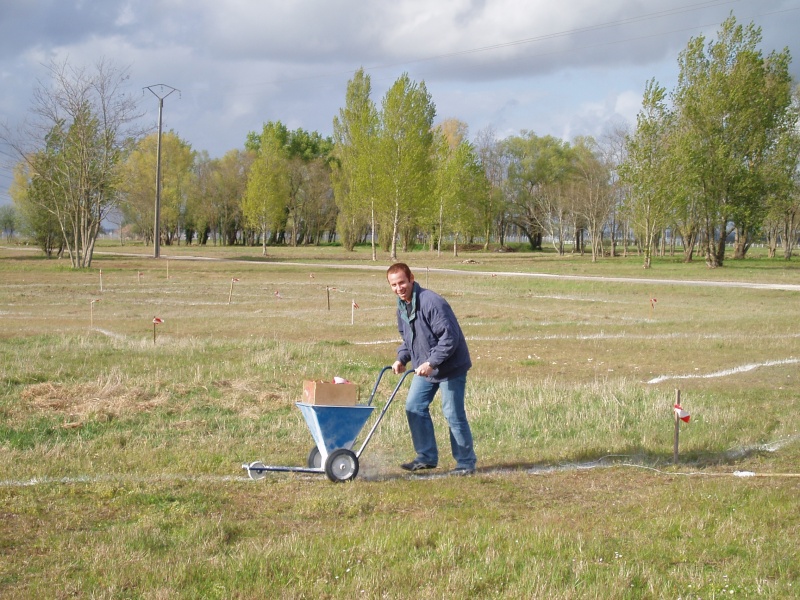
264,205
460,189
286,172
138,184
354,176
41,225
592,174
538,171
405,173
648,169
613,141
495,168
83,122
227,189
8,221
732,105
319,211
782,222
309,178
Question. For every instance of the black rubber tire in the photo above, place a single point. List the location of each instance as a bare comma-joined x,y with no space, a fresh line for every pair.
314,458
341,465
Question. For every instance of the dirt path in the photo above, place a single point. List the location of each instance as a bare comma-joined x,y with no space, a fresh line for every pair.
789,287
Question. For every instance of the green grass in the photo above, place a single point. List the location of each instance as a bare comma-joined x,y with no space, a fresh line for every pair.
120,456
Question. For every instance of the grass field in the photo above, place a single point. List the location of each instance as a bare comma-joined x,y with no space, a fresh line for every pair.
121,448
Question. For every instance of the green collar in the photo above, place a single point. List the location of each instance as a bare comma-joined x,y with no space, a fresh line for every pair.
403,307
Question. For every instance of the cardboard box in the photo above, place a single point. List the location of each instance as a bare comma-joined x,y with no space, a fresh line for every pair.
330,394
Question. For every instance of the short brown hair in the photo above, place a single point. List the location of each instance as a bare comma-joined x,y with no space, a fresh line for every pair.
399,268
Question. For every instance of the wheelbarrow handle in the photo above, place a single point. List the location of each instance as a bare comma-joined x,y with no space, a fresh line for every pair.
375,387
385,407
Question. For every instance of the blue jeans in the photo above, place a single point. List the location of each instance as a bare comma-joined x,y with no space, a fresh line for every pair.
418,402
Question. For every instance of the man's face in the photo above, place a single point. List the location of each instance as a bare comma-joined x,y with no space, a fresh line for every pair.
401,285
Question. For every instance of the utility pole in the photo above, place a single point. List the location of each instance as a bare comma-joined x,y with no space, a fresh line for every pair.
161,95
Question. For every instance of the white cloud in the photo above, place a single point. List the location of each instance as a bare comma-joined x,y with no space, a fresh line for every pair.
554,68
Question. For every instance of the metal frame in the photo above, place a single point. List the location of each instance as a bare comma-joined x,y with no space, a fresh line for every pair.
257,470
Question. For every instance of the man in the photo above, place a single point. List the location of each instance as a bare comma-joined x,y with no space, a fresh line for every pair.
435,345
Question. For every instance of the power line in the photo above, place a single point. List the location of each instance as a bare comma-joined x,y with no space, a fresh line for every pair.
545,37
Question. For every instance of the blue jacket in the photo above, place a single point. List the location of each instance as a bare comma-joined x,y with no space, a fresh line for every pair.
431,333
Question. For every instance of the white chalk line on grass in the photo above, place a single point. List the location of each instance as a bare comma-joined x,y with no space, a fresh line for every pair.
726,372
92,479
605,462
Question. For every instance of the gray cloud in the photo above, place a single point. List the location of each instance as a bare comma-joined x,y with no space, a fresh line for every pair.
564,68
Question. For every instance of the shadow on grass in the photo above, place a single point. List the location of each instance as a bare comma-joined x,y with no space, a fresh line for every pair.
645,460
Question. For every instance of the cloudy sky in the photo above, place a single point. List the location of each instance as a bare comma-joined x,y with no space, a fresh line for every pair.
563,68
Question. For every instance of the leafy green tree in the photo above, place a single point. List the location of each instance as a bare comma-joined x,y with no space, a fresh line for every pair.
460,190
138,187
539,168
225,185
732,105
647,170
405,172
309,178
319,210
29,195
354,168
264,206
216,195
293,171
8,221
782,222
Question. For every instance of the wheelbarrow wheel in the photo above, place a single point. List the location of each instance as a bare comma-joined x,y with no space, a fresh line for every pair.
342,465
314,458
256,470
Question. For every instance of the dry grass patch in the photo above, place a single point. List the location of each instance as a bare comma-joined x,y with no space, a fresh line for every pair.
98,401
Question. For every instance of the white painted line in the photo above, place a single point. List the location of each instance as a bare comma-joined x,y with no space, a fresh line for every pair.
725,373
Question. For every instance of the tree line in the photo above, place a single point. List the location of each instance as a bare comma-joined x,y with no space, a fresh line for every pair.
714,161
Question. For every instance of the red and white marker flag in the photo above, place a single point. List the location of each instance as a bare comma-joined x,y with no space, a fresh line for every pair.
681,414
156,321
355,305
653,302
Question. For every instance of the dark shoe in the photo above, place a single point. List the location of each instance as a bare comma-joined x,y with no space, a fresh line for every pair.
416,466
463,471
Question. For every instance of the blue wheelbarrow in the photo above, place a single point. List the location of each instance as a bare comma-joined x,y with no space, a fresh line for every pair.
334,429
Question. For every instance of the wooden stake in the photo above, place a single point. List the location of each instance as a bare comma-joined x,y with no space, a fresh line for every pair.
91,313
328,293
101,280
156,322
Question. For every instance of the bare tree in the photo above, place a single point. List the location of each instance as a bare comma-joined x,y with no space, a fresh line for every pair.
82,120
613,142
